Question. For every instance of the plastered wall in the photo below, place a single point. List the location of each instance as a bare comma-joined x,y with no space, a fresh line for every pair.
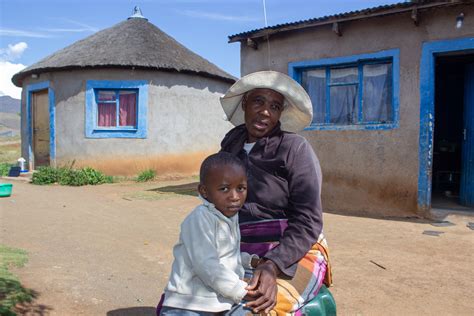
185,122
368,171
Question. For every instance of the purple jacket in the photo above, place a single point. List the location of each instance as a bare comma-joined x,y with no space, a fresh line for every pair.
284,181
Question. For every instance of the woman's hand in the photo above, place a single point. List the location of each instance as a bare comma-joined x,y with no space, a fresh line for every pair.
262,290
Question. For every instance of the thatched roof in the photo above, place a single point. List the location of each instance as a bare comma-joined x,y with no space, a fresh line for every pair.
132,43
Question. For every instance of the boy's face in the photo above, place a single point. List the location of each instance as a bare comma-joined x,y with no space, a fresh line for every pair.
226,188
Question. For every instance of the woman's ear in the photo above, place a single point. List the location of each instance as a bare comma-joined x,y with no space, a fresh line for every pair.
244,101
202,190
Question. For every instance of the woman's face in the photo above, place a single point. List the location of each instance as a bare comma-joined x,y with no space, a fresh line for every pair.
262,109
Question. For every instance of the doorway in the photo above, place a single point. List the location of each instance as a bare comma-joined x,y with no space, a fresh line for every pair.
453,136
40,128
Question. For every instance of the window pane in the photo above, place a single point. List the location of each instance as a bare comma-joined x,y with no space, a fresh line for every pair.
314,82
344,104
344,75
377,94
106,114
105,95
128,108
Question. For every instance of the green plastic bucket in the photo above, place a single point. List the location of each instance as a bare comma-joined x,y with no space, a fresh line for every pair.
322,305
5,189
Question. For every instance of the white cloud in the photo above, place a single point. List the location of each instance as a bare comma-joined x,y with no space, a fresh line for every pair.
13,51
7,70
11,32
218,16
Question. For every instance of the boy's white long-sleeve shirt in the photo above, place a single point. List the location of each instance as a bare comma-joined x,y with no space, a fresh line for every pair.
208,267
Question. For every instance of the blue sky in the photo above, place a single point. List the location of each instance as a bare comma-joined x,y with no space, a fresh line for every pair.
33,29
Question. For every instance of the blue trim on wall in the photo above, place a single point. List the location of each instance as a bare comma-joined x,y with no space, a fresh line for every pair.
427,99
91,129
52,118
295,69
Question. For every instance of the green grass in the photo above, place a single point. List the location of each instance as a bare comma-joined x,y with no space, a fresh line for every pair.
10,149
5,168
11,290
146,175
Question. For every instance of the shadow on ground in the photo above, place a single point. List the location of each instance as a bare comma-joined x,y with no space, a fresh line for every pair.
33,309
133,311
12,293
182,189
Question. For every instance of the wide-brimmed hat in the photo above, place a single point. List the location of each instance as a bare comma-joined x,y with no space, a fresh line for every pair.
298,111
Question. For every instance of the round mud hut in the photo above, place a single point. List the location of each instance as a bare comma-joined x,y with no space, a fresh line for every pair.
123,100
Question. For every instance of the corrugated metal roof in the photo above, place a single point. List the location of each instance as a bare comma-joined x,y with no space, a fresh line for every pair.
351,15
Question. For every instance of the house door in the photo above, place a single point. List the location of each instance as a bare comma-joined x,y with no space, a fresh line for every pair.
453,150
41,132
467,175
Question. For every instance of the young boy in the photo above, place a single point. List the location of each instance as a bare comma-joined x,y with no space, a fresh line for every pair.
207,272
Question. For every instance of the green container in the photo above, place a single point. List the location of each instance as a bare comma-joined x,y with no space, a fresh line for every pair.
5,189
322,305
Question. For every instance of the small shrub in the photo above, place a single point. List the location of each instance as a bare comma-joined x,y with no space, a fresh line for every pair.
45,175
72,177
94,176
69,176
146,175
110,179
5,168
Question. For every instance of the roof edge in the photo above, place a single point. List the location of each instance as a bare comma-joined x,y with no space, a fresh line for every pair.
18,78
342,17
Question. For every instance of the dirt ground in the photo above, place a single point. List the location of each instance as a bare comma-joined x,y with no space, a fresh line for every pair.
107,250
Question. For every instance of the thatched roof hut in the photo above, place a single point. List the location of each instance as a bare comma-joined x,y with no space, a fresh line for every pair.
123,100
132,43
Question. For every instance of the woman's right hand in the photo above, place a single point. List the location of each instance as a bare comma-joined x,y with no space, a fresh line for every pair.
262,290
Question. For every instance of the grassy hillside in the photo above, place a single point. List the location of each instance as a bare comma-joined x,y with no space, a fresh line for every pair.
9,104
9,116
10,124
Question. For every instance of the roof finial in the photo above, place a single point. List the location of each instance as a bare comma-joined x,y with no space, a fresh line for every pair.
137,13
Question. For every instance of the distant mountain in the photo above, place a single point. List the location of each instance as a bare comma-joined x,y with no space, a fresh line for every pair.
9,104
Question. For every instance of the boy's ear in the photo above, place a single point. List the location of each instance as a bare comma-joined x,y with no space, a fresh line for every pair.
202,190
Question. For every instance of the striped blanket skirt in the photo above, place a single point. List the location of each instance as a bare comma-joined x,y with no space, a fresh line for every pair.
313,269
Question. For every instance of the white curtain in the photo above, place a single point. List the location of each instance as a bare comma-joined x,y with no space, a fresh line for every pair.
377,95
314,82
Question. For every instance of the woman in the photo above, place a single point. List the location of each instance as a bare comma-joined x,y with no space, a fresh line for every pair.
282,218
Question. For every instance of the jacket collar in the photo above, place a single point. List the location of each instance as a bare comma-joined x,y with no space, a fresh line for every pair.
234,141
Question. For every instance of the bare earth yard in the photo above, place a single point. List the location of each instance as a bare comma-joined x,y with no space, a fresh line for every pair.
107,250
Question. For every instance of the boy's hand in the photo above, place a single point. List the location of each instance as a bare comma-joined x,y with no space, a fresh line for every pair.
255,261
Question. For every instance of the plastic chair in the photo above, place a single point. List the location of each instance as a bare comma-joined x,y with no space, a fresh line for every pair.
322,305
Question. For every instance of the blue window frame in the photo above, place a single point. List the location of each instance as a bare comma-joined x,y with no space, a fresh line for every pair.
354,92
116,109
